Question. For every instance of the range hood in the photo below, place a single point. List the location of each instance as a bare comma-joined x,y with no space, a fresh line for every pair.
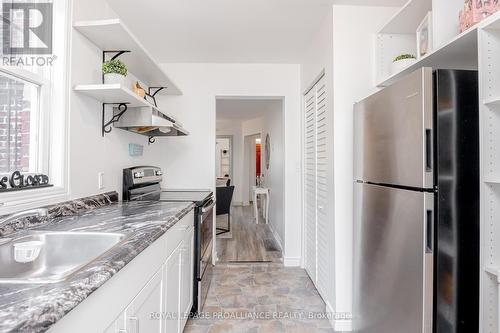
149,121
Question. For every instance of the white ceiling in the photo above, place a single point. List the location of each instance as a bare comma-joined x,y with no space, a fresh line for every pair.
228,31
245,109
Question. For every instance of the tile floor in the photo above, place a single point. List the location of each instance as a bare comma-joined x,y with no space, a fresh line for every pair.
261,298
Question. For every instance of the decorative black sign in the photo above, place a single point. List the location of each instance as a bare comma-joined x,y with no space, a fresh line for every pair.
17,181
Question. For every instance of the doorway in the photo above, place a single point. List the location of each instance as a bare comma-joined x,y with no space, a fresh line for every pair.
248,121
252,161
224,157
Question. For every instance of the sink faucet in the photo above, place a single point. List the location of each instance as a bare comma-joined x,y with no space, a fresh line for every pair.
40,212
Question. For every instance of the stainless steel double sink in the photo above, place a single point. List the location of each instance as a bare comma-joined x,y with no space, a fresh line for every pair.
55,256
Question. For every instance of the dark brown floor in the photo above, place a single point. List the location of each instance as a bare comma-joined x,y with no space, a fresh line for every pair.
247,241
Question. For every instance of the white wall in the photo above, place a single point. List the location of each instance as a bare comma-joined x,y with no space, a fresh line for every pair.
89,153
319,59
190,161
353,80
273,177
343,48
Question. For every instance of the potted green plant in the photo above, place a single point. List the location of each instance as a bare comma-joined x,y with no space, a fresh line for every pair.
114,71
402,61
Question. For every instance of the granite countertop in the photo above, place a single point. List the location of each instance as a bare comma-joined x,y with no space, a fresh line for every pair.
35,307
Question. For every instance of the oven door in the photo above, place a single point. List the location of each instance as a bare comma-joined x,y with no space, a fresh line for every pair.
206,228
204,272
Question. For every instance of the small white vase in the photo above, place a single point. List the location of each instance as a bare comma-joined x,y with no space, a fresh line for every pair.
400,65
114,78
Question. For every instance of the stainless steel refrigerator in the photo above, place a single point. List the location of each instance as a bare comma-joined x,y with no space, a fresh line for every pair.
416,212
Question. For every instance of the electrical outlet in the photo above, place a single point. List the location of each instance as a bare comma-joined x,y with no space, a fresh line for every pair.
100,177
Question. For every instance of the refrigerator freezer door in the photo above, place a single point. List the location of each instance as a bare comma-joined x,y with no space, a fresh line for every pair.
393,134
393,260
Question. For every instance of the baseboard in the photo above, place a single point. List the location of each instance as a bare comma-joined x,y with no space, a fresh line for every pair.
339,325
276,237
291,261
342,325
331,312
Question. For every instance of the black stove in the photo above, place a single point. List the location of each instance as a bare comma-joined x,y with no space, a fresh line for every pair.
143,184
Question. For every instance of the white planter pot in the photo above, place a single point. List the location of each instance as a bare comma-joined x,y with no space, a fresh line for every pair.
114,78
399,65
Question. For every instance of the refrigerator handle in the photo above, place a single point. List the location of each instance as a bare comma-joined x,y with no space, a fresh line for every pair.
429,231
428,150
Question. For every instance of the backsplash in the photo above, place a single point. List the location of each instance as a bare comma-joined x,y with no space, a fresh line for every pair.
67,208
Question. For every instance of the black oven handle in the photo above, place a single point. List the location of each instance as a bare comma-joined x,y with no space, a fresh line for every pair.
209,206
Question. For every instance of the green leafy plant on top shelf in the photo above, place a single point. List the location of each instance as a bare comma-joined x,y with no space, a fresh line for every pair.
404,56
114,66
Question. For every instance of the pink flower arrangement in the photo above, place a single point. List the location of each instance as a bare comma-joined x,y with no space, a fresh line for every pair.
475,11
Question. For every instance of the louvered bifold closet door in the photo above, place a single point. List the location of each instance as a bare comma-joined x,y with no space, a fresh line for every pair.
322,228
310,183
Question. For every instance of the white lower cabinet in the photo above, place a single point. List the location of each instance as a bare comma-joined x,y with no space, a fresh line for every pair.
187,273
172,294
142,314
152,294
164,303
118,325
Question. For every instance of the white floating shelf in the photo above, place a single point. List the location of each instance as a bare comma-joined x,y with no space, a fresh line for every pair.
112,93
495,271
113,35
493,101
408,18
492,22
460,53
491,180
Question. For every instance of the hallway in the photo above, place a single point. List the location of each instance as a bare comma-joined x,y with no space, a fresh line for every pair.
247,241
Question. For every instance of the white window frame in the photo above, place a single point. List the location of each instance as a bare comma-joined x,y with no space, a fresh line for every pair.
39,156
54,109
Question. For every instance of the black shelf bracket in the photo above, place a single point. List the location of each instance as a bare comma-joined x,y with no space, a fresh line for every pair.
151,140
152,91
106,125
116,54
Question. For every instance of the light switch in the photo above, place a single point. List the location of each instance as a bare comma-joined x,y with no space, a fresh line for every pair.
100,177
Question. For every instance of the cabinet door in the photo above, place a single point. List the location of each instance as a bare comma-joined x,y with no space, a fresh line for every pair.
187,267
118,326
144,313
171,296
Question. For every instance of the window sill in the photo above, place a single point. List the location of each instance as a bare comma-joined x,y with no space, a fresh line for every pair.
27,199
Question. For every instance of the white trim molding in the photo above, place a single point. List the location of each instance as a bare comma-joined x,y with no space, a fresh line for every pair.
291,261
342,325
339,325
277,238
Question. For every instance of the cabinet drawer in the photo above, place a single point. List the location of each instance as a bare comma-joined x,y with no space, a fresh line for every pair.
176,233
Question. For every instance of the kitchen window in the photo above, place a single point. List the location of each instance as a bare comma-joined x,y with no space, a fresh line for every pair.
34,101
20,149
